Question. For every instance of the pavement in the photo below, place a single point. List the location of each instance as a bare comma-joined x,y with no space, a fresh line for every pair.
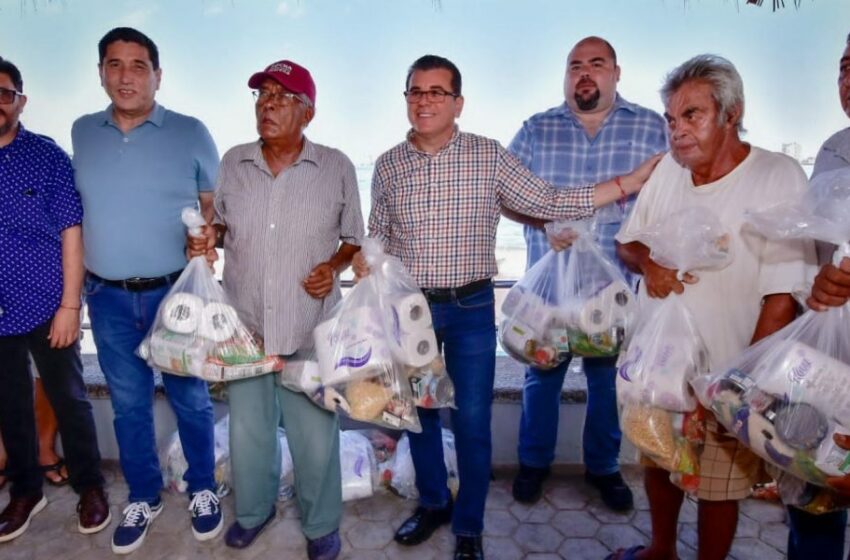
569,522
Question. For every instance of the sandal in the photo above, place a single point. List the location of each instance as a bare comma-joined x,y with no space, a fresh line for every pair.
625,553
55,468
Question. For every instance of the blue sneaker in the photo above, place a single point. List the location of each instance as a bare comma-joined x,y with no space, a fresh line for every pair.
324,548
207,519
133,529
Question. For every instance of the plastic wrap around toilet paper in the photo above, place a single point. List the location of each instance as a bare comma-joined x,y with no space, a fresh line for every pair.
411,335
218,322
181,312
352,345
612,306
657,372
804,374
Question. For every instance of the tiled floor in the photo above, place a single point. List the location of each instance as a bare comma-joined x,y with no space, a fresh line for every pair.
570,522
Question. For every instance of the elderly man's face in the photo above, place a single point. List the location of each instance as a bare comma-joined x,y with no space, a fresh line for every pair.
696,137
9,114
844,80
279,118
129,79
590,82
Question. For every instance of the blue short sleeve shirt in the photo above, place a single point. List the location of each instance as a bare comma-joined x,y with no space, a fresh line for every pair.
37,202
134,186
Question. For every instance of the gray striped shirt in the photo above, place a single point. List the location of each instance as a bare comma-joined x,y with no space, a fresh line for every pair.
278,229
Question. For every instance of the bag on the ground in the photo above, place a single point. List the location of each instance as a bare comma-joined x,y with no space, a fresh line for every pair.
399,474
174,464
197,332
575,301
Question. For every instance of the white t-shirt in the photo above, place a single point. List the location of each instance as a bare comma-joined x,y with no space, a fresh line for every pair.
726,303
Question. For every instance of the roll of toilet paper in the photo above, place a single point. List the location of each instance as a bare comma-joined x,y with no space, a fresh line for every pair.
807,375
408,313
218,322
181,354
351,346
416,349
612,306
181,312
533,311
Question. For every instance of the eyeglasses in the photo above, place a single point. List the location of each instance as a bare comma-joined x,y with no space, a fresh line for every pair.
7,96
281,98
431,95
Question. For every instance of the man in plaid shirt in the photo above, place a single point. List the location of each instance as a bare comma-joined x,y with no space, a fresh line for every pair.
594,135
436,201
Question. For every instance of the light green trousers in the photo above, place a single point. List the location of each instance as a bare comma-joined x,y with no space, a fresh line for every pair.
257,406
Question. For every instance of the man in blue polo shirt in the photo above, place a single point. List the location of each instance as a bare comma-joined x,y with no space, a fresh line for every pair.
40,280
137,165
594,135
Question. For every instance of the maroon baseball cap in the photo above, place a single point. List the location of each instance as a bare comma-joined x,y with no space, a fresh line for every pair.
293,77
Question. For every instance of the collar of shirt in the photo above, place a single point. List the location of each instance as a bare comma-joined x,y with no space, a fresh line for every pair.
620,104
255,155
156,116
18,142
456,138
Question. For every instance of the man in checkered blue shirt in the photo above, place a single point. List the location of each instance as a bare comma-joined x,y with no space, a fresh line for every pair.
593,136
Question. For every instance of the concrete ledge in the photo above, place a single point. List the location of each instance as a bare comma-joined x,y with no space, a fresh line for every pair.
507,387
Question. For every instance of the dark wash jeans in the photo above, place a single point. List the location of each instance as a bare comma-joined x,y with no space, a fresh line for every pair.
813,536
120,320
61,375
466,331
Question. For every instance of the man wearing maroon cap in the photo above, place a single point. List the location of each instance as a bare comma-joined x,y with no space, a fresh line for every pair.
288,214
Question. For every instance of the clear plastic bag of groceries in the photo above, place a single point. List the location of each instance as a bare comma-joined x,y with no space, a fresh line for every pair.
381,330
574,301
786,396
666,350
197,332
175,465
399,474
358,465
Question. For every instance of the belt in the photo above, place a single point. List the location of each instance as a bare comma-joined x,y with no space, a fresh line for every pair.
446,295
137,284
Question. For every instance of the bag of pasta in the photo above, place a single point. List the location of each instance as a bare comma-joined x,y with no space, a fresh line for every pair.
197,332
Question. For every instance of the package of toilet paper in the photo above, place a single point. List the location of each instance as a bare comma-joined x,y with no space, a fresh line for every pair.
197,332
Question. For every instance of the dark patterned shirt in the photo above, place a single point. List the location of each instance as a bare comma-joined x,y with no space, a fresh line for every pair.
37,202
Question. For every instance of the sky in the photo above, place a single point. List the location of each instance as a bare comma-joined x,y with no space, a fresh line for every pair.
511,53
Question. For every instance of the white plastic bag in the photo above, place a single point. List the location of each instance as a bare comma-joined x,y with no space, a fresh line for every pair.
399,473
197,332
667,350
358,466
174,464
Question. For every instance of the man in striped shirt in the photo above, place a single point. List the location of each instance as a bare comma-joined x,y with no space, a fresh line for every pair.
594,135
436,201
288,212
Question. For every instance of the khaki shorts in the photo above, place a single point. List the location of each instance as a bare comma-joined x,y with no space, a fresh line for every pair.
728,470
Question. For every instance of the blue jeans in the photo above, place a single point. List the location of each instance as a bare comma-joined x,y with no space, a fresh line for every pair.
816,536
541,401
466,332
120,320
61,375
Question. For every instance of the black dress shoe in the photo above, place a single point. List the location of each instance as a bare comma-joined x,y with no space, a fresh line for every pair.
469,548
528,484
422,524
612,489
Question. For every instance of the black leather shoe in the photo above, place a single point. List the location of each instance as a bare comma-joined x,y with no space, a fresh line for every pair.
422,524
469,548
612,489
528,484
